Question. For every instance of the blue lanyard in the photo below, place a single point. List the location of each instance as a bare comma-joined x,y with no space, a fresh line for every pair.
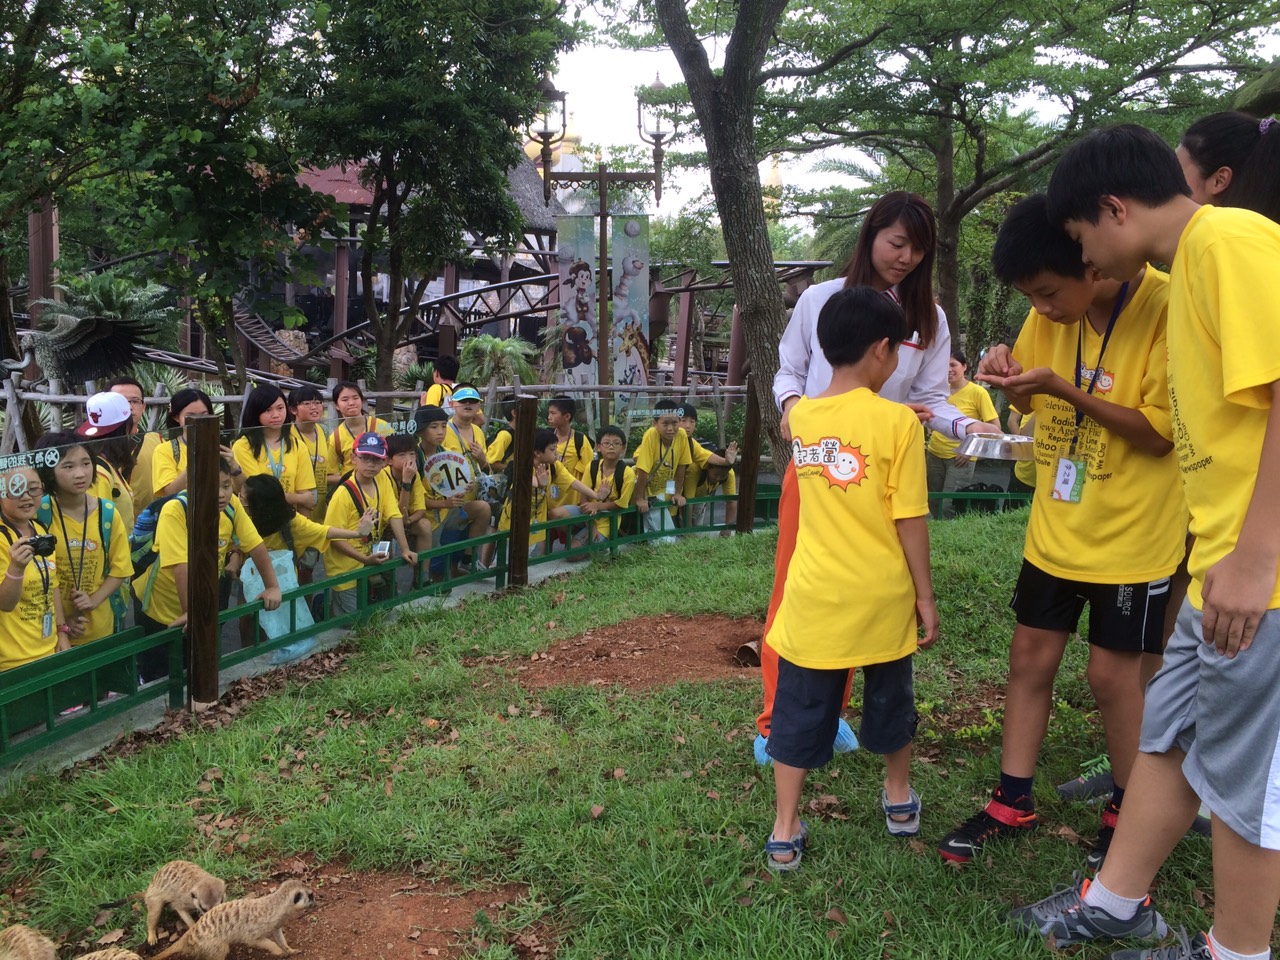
1097,371
276,466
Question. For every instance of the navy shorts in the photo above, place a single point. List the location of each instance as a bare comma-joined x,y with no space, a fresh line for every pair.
807,705
1125,617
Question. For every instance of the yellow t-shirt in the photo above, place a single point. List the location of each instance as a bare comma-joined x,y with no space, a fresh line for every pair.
974,402
140,481
859,469
607,475
498,450
346,507
234,527
108,484
22,635
728,486
292,467
576,460
1130,525
306,533
437,395
1224,354
317,449
558,475
168,461
85,567
342,440
660,460
695,484
454,436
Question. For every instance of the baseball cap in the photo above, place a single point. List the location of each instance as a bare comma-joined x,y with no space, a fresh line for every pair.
103,413
371,445
466,393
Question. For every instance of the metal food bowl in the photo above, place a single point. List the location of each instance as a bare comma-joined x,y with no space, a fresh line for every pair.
997,446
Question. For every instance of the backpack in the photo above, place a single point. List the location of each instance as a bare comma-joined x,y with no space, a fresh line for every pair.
106,523
142,539
627,522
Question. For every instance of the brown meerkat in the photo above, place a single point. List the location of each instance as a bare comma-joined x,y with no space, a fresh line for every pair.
23,943
254,921
111,953
185,886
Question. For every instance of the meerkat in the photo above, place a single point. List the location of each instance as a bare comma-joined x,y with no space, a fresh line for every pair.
23,943
186,887
111,953
254,921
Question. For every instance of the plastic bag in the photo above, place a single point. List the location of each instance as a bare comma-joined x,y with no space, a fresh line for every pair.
276,623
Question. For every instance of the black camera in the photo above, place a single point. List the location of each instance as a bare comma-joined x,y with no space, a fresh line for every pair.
43,546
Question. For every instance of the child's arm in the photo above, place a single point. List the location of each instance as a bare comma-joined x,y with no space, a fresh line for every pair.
678,499
180,571
270,595
1238,588
368,559
642,490
1125,422
91,601
586,491
913,533
60,621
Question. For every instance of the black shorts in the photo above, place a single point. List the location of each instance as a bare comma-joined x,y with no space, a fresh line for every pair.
1125,617
807,705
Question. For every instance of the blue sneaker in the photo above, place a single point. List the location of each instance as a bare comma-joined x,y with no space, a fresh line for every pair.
845,741
762,755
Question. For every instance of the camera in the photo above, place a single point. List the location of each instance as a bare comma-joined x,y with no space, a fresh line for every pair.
43,546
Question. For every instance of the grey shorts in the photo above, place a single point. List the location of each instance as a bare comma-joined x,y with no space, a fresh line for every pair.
1233,745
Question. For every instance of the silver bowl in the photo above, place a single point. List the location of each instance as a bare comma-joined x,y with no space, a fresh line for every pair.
997,446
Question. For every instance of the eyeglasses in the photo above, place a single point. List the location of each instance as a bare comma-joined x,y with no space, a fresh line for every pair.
310,403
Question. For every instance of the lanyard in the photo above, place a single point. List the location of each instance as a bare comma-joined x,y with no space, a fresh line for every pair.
276,466
363,503
41,565
466,449
561,454
313,451
77,572
662,459
1097,371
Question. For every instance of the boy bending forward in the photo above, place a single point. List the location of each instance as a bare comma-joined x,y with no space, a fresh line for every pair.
861,479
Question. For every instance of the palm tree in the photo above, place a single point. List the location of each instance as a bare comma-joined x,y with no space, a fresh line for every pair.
492,360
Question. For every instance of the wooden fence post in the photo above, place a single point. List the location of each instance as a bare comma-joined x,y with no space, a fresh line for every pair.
749,458
522,491
203,479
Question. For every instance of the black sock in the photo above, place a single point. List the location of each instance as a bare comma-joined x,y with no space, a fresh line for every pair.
1117,796
1014,788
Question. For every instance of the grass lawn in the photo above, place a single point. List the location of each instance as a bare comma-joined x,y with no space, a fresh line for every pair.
409,759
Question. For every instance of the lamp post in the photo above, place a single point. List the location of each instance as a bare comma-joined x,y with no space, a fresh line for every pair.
549,131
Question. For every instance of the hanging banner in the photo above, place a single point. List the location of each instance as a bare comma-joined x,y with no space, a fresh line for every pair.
629,347
578,342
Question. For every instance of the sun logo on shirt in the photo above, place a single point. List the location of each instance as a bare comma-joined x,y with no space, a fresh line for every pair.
839,463
1106,379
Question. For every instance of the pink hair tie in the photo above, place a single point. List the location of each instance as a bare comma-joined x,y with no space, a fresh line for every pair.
1266,125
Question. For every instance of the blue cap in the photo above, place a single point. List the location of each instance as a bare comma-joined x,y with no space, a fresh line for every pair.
465,393
371,444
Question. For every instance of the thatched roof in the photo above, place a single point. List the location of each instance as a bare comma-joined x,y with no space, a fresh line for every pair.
526,190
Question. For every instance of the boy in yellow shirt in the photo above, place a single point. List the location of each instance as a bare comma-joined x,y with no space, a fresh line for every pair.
614,482
861,480
1211,722
945,469
662,460
402,465
698,476
549,471
1107,522
444,374
450,482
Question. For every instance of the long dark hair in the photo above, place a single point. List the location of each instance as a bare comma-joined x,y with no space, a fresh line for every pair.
916,290
1246,146
183,399
119,447
62,442
261,399
263,499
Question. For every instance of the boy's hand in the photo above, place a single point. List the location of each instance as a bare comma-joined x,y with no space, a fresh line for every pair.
923,413
179,621
1023,386
1236,592
271,598
642,504
998,362
927,618
365,526
82,601
375,559
477,454
76,626
410,557
731,452
409,472
679,500
787,404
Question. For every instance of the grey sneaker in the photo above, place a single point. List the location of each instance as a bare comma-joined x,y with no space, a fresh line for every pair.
1064,916
1195,949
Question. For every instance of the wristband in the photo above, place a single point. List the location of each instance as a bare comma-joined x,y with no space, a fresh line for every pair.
63,628
14,576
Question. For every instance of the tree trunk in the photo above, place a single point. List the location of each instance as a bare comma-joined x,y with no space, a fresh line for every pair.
948,256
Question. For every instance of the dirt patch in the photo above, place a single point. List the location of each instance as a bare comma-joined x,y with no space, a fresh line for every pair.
379,915
642,653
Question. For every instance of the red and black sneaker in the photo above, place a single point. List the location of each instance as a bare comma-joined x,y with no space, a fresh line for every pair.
1110,814
999,818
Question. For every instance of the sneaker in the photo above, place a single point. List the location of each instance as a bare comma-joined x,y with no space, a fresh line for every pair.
1110,814
1197,948
996,820
1088,788
911,809
1064,916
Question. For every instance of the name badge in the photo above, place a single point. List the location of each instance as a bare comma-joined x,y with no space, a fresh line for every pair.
554,490
671,488
1068,480
47,626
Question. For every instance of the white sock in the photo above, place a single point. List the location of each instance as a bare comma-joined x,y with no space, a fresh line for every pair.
1222,953
1122,908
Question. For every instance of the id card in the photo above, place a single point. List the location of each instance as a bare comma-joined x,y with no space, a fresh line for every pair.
1068,480
47,627
554,490
671,488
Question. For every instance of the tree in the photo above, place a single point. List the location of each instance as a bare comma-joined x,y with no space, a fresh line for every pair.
424,98
942,88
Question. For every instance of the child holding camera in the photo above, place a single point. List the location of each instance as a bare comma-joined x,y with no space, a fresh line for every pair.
32,625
